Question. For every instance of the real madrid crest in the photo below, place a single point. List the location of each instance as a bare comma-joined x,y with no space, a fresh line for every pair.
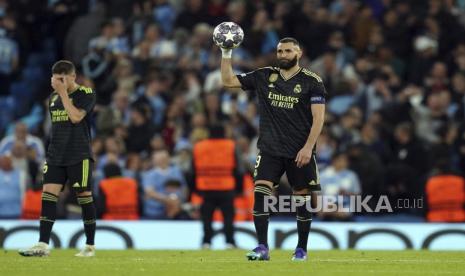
297,88
273,77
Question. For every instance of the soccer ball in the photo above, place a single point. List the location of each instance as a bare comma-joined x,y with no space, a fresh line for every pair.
228,35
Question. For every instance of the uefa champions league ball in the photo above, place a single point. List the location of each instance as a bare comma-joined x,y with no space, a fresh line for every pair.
228,35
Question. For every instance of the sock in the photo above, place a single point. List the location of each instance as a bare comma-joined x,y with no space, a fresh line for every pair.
88,217
260,217
304,220
47,216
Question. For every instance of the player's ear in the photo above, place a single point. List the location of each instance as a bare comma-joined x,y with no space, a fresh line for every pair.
71,77
299,53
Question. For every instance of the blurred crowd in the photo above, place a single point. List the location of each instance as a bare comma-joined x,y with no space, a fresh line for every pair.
394,71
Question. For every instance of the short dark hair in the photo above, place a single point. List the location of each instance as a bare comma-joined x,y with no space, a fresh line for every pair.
105,24
112,170
338,154
63,67
216,131
290,40
173,183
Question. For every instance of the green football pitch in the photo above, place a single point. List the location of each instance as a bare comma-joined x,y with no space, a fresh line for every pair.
233,262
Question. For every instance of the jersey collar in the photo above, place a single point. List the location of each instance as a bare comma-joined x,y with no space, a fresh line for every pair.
77,88
293,75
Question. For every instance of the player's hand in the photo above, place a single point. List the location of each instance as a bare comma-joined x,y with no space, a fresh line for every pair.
59,84
303,156
226,52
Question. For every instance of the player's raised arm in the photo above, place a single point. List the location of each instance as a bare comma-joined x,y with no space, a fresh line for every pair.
227,74
60,85
227,36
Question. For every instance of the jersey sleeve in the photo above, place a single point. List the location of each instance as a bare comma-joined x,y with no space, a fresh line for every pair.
248,80
86,100
318,95
253,79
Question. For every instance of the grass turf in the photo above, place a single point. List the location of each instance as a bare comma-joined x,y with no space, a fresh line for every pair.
233,262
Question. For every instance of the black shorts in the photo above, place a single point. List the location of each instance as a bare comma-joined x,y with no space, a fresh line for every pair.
78,176
271,168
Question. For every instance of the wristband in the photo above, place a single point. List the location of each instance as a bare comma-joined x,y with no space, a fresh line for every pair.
226,53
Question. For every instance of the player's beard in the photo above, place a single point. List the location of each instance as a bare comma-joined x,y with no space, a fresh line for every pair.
287,64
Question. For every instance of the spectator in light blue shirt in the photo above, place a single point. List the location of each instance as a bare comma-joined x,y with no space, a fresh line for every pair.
31,141
338,180
12,186
9,60
165,15
8,53
119,44
160,198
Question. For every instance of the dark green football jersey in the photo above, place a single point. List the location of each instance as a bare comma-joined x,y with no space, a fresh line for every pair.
70,143
284,107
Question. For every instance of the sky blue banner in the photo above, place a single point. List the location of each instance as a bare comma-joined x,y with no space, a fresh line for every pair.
187,235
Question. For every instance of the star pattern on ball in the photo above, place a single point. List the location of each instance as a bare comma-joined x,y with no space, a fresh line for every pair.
229,36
